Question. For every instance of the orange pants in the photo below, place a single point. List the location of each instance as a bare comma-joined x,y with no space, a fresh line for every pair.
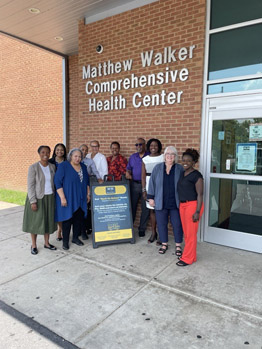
186,210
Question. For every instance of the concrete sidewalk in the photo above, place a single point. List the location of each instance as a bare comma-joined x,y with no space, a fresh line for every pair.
126,296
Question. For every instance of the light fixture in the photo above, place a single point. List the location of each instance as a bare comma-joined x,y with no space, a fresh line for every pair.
99,48
59,38
33,10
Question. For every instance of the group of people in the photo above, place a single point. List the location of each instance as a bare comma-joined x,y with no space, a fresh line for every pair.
59,191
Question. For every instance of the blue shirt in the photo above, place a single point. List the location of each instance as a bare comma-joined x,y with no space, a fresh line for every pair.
135,165
75,191
91,167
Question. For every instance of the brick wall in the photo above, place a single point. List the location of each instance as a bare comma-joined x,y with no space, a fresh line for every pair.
124,36
166,23
30,108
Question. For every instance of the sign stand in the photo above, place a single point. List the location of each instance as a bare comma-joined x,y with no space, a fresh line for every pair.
111,212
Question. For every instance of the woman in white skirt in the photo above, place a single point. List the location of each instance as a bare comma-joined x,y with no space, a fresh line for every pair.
154,146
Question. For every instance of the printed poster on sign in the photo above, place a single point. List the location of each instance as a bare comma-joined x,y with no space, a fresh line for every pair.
111,213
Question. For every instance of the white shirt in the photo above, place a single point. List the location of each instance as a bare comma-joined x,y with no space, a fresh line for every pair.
47,174
101,164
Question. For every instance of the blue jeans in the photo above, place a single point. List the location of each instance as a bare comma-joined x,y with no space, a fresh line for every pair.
162,224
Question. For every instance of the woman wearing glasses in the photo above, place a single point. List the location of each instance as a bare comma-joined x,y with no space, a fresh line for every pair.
162,195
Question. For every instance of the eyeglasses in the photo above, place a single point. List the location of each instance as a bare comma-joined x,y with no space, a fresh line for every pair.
94,146
139,144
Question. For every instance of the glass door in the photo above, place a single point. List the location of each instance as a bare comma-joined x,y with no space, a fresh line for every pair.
234,174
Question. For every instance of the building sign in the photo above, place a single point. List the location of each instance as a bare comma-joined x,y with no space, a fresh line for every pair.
133,81
246,157
111,213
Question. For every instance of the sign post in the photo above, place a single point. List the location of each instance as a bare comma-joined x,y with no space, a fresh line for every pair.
111,212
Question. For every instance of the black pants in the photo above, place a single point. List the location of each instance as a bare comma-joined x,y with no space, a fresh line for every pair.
77,221
87,221
136,194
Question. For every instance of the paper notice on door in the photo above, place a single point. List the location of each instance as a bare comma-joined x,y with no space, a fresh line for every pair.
228,164
246,157
255,132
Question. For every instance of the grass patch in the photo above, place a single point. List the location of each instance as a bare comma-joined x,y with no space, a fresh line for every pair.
12,196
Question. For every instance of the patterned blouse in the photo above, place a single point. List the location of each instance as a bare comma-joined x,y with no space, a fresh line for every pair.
80,174
116,167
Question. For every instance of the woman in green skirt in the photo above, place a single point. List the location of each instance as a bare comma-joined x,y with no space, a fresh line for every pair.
40,202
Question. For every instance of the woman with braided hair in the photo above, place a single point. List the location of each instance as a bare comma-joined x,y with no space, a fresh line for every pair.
190,191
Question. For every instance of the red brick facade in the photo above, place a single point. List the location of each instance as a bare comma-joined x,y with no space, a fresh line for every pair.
167,23
152,27
31,108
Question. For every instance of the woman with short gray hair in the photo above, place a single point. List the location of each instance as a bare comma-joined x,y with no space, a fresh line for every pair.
72,185
163,196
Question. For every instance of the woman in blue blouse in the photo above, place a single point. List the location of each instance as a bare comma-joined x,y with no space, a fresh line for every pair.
59,155
72,186
162,195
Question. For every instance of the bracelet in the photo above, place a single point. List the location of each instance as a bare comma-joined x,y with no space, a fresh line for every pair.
143,190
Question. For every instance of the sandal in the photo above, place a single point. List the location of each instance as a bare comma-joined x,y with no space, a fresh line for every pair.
181,264
163,249
178,251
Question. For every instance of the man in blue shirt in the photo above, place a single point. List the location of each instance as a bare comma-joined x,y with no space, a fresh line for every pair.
90,164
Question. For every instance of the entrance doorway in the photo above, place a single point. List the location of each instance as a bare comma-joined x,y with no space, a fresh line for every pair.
234,172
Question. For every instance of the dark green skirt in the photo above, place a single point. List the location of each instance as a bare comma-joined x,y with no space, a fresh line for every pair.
41,221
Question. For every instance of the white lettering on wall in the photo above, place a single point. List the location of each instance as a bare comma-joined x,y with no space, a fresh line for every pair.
156,99
167,55
106,68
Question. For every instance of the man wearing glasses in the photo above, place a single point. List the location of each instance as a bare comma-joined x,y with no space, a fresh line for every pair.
99,159
134,168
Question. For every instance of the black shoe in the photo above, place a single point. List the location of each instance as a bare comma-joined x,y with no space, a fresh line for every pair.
141,234
152,238
78,242
50,247
34,250
84,236
65,246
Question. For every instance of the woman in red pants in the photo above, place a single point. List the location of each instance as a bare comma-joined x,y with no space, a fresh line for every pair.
190,191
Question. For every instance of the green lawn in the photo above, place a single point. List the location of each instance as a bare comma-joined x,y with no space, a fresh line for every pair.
12,196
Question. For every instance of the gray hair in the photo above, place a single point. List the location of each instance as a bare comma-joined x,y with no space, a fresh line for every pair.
69,156
173,150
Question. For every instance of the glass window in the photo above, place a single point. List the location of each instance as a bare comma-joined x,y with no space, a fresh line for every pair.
236,205
237,146
244,85
227,12
235,52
